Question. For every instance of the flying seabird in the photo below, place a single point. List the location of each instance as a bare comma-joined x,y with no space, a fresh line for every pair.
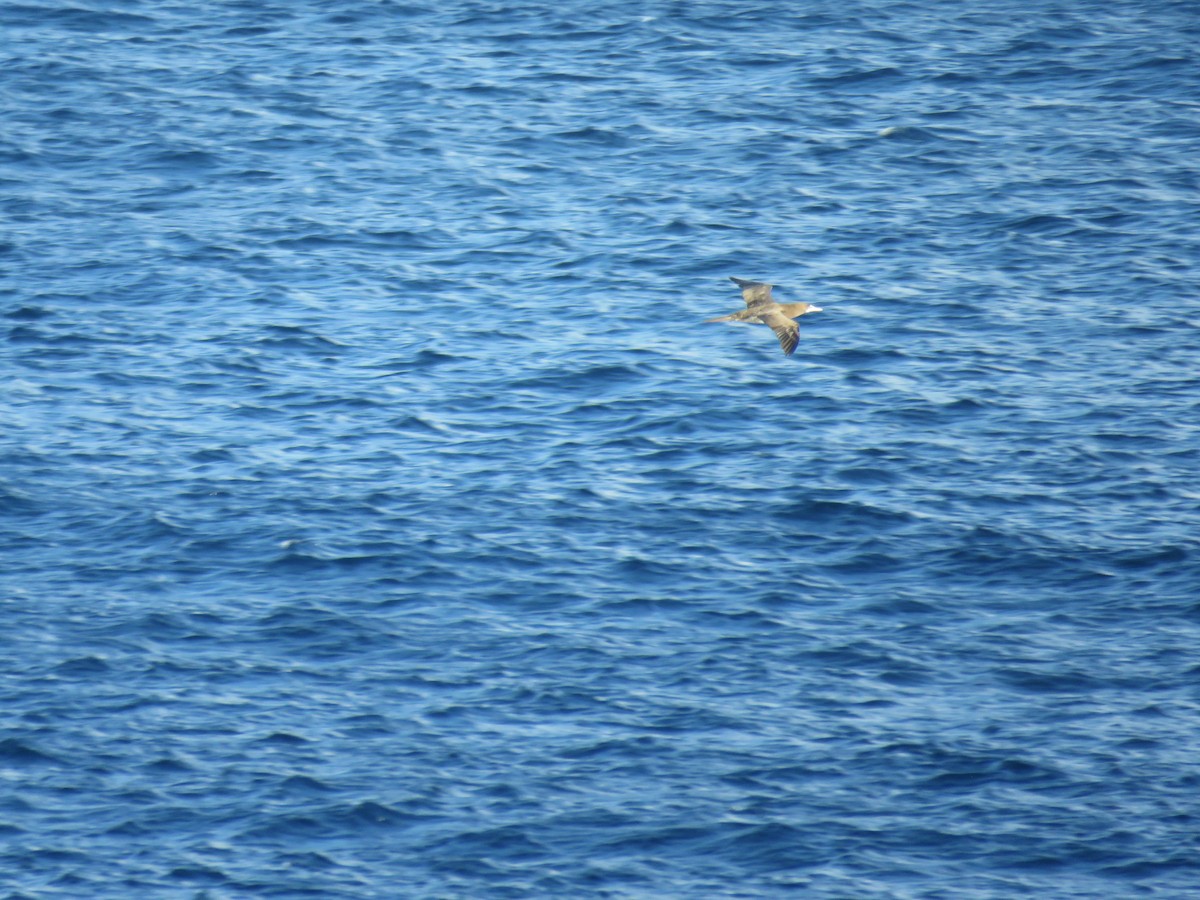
762,309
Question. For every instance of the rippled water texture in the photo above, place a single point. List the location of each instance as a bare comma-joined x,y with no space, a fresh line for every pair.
588,598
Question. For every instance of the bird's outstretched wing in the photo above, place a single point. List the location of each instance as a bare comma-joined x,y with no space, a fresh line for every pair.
753,292
785,329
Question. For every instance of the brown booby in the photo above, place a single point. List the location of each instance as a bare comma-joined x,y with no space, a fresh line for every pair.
760,308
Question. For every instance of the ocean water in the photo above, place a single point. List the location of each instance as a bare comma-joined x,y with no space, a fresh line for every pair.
380,518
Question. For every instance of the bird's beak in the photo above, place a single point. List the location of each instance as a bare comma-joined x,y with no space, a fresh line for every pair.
815,309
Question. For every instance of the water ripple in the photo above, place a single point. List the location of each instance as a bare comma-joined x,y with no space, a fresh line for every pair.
379,509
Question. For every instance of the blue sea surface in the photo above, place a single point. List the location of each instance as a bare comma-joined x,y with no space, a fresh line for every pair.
380,518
